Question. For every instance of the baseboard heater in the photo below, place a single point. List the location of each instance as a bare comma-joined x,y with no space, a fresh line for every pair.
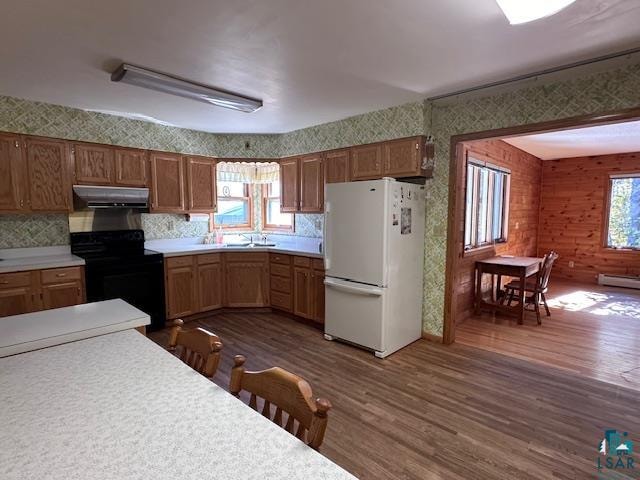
625,281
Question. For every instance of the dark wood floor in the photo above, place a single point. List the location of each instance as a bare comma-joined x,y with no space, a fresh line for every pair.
437,412
593,331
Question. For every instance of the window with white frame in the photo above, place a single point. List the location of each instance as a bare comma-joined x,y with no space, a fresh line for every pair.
486,204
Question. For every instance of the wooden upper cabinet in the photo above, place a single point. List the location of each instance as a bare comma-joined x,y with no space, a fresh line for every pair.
402,157
312,183
336,166
289,194
94,164
167,182
366,162
131,168
48,165
13,187
201,184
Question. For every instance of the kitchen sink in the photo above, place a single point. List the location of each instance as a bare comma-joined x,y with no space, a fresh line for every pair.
249,245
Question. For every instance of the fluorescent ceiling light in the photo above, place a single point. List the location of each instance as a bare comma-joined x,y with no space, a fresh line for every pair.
523,11
161,82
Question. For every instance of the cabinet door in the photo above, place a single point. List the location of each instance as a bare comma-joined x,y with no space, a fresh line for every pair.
247,284
402,157
167,183
302,292
317,279
366,162
13,187
311,184
131,167
14,301
181,292
289,195
48,164
201,184
336,166
209,287
58,295
93,164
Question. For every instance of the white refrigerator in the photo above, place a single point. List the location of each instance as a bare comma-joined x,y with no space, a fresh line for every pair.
374,254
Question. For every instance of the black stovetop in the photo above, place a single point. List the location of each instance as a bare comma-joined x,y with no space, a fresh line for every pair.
112,245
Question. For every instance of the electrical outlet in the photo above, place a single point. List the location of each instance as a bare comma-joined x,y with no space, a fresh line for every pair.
572,264
171,225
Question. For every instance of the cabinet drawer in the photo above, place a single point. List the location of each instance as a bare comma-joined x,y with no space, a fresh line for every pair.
246,257
302,261
280,258
61,274
174,262
280,284
318,264
208,258
19,279
281,300
281,270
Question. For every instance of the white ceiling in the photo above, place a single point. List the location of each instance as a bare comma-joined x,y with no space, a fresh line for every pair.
581,142
310,61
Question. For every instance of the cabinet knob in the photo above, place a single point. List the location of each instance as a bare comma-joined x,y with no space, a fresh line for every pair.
61,275
4,282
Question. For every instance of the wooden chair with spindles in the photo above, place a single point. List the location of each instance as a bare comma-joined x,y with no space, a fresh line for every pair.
197,347
296,410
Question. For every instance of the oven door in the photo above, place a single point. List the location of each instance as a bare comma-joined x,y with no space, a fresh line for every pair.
139,283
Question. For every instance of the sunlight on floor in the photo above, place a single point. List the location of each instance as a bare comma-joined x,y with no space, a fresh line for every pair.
597,303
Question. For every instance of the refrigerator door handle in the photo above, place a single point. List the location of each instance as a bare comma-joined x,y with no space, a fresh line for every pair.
361,289
326,245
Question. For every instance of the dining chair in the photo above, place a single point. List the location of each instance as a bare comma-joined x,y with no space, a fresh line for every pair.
537,286
296,410
197,347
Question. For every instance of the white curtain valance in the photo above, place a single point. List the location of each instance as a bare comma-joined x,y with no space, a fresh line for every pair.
248,172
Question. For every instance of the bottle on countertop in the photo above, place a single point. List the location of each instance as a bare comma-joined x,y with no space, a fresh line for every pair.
219,236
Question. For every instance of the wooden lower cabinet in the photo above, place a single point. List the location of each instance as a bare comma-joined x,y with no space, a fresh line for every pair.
181,291
308,288
209,280
246,279
25,292
205,282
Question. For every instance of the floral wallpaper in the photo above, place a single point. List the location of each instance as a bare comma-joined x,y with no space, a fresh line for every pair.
396,122
600,92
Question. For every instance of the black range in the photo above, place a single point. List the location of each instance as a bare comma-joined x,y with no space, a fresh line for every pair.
118,266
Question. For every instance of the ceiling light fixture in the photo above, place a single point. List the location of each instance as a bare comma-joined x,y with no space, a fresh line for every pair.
161,82
523,11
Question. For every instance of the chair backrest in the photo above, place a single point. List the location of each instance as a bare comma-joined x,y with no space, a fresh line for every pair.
545,271
287,400
198,348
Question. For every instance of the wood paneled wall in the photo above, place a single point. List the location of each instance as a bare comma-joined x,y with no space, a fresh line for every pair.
524,207
572,216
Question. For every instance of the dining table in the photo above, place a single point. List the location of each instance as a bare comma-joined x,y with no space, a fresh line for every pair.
509,266
118,406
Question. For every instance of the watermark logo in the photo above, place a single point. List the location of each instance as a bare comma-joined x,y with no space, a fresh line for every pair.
616,452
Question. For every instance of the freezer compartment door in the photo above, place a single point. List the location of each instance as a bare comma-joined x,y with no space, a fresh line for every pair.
354,312
356,231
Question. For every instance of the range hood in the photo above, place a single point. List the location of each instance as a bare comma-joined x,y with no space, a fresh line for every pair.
85,196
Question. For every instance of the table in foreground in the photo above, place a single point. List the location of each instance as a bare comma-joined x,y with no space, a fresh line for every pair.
118,406
31,331
519,267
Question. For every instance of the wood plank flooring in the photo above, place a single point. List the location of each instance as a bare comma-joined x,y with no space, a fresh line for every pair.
593,331
437,412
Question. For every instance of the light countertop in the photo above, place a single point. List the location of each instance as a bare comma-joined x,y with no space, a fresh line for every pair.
178,247
120,406
32,331
25,259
